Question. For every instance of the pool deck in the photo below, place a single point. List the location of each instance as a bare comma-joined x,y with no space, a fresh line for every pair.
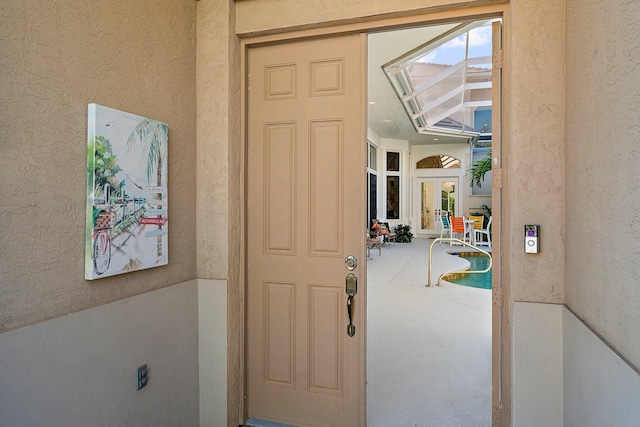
429,348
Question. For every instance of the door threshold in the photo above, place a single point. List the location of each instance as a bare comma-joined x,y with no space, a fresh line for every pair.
254,422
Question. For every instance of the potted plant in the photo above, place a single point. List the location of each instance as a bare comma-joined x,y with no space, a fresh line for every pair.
403,233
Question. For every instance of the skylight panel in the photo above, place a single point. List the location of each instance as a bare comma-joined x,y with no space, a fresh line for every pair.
444,81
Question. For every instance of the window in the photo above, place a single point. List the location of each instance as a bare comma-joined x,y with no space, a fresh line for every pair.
372,184
393,185
438,162
393,197
372,158
393,161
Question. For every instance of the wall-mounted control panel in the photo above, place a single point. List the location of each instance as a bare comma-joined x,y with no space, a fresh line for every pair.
531,239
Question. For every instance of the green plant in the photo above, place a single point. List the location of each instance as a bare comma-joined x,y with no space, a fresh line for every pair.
403,233
478,169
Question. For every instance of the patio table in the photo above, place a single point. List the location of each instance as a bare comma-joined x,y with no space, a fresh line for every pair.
468,229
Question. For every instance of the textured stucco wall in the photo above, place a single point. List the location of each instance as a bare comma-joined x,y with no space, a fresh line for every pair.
55,58
536,153
603,178
270,15
219,194
212,162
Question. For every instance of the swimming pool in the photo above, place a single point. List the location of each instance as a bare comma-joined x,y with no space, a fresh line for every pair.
478,261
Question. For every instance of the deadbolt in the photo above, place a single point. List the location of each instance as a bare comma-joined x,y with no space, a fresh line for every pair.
351,262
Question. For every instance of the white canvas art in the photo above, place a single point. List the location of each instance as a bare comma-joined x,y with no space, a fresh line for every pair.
127,200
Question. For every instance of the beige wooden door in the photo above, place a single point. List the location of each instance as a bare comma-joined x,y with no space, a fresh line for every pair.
306,203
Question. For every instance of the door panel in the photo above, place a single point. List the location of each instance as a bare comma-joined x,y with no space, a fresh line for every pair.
305,214
427,206
279,176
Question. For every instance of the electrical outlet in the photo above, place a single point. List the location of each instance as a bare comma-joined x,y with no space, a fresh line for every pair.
142,376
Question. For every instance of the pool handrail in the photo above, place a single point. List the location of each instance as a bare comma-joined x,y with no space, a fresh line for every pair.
454,240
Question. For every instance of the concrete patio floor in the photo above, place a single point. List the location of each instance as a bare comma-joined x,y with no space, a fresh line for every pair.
428,348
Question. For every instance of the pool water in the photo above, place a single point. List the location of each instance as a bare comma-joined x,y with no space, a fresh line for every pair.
478,262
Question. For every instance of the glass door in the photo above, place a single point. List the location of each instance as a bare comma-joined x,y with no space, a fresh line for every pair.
427,205
436,196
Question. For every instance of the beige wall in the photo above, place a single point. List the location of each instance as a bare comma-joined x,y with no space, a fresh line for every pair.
275,15
55,58
80,369
603,178
536,148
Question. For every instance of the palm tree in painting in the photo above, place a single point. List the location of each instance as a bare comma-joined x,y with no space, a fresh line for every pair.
153,136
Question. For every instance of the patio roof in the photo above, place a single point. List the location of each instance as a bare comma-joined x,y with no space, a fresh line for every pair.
445,84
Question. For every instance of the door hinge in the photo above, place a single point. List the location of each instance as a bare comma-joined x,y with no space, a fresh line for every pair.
497,58
496,176
496,416
497,297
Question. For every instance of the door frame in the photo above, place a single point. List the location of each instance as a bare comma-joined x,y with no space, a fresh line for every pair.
236,334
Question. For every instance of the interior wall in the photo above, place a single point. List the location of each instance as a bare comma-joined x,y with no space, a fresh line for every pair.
57,57
603,178
80,369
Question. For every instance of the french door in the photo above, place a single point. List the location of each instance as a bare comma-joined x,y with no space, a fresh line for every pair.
434,197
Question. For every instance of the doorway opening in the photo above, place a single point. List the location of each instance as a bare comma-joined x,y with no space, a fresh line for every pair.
430,103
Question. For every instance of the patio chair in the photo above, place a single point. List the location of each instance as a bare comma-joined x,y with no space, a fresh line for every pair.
483,232
390,235
457,228
478,221
373,242
446,226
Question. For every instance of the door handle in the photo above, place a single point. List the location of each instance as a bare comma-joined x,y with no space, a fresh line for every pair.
351,288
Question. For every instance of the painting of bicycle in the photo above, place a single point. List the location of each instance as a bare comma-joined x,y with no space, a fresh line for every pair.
127,199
